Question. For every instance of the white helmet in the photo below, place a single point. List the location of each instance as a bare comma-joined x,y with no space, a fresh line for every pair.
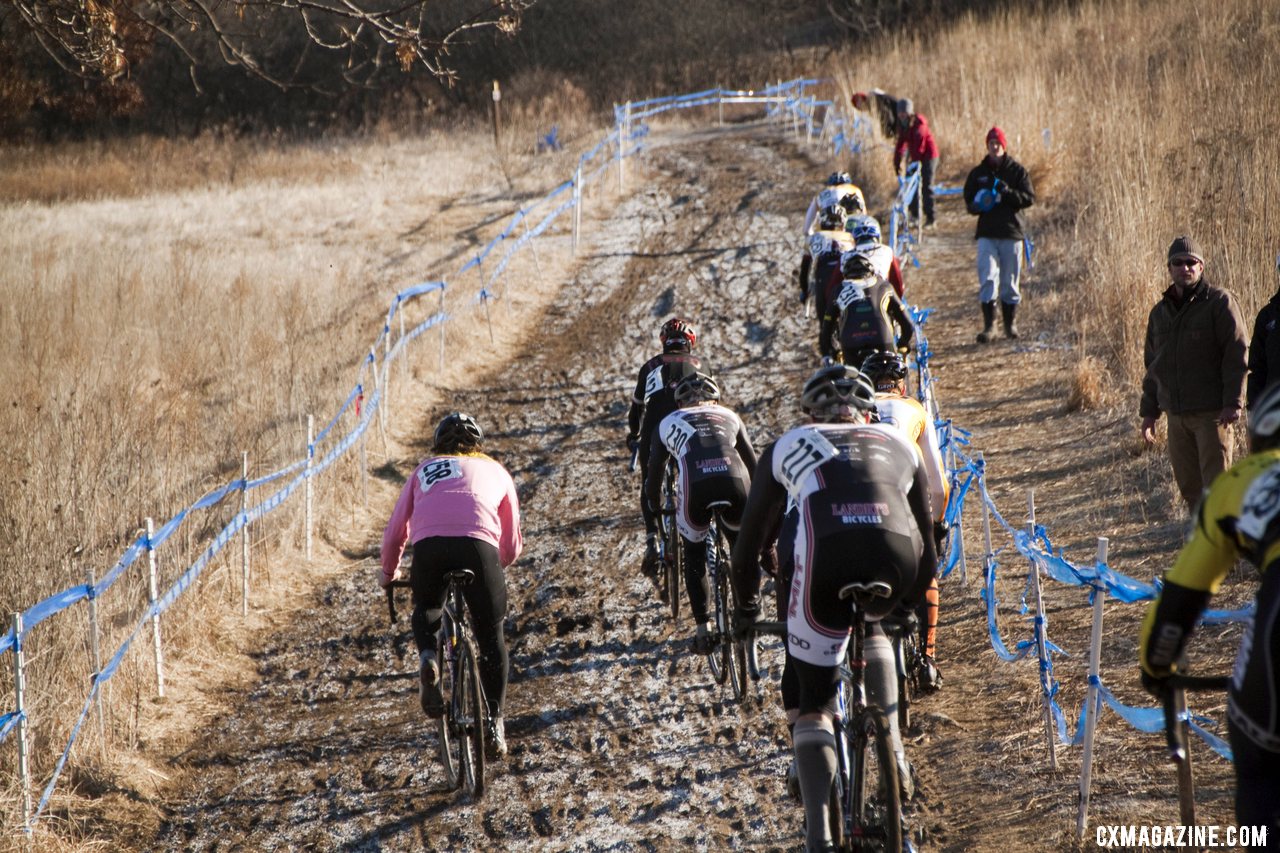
865,229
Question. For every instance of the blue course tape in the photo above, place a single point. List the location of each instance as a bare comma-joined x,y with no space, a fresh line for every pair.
9,721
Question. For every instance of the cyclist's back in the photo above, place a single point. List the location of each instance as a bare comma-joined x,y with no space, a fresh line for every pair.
870,316
460,510
864,509
715,460
652,400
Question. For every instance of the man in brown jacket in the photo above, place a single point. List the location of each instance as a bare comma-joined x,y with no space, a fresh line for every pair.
1195,368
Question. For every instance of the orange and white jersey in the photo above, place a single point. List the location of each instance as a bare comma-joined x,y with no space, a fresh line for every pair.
909,416
827,197
820,242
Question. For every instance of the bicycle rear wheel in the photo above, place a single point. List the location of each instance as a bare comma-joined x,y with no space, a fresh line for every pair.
449,738
874,798
721,657
470,716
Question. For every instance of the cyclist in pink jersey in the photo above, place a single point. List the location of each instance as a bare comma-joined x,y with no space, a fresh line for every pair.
460,510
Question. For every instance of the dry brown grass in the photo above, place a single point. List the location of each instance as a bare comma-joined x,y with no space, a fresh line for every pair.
1138,120
161,325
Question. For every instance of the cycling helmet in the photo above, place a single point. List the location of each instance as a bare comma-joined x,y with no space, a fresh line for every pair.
678,333
856,265
458,431
1264,420
697,388
839,178
865,229
885,369
853,203
833,218
836,390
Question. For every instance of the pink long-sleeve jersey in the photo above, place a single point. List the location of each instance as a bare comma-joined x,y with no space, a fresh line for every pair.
455,496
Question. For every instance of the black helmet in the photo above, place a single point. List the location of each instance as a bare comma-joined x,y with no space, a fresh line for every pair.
836,178
835,388
885,369
856,265
833,218
458,431
696,388
678,332
1264,420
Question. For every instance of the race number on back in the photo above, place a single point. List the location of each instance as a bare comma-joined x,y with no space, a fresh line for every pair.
653,383
795,459
445,468
676,432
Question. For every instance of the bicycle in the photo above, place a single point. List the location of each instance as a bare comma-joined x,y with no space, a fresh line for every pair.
671,559
1174,701
866,800
461,729
728,657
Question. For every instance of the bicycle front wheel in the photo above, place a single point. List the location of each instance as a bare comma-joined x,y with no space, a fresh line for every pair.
470,716
874,799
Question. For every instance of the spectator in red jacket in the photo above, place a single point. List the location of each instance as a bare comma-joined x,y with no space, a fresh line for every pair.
916,142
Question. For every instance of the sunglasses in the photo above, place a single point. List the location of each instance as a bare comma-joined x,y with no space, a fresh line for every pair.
1189,263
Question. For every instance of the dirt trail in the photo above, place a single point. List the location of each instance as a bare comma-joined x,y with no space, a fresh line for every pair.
620,740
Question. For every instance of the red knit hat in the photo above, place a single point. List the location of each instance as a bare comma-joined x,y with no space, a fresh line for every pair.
998,135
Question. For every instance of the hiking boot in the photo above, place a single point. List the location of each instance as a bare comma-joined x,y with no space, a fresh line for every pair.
429,693
704,639
649,565
496,743
988,322
1007,312
930,675
793,782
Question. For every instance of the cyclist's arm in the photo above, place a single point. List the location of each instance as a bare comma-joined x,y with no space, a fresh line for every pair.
397,532
931,455
1196,575
745,450
637,403
765,503
658,456
918,499
511,542
899,313
895,277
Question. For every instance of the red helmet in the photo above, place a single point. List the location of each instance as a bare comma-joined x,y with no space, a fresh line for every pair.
678,332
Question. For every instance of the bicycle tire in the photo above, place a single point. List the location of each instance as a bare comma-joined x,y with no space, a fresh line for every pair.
737,648
908,662
673,558
450,742
721,656
674,568
875,798
470,707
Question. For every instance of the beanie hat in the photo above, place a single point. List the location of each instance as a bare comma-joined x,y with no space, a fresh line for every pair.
859,99
905,106
1185,246
998,135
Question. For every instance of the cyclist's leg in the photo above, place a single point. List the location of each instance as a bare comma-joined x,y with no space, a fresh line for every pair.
815,749
1257,783
642,460
693,519
487,600
430,558
882,689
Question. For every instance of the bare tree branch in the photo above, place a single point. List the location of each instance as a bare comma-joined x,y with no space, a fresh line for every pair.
100,38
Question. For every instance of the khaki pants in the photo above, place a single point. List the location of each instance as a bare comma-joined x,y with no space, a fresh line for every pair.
1199,450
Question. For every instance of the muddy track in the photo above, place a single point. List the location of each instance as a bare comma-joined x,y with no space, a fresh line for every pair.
619,738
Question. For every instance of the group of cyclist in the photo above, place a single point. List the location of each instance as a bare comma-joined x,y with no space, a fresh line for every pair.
863,476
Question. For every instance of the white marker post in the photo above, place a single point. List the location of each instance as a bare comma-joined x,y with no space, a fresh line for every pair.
311,431
244,535
1093,702
20,691
153,591
577,206
1042,631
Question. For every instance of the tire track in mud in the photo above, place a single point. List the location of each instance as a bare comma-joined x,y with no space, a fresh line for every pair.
619,739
